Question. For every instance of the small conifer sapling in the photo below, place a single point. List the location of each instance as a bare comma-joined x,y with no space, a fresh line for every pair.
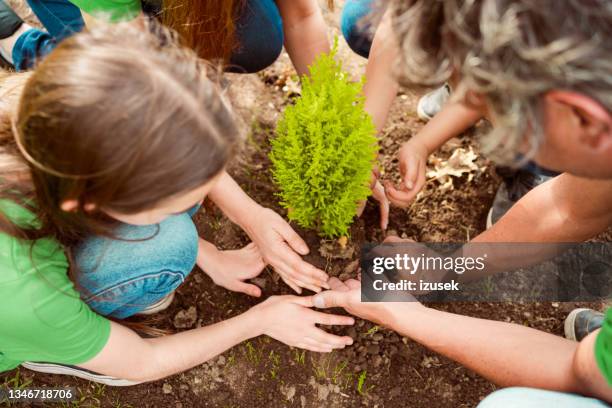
324,150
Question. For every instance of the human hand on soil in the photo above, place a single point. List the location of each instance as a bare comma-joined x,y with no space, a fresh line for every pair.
281,247
412,165
347,295
415,249
290,320
378,193
230,269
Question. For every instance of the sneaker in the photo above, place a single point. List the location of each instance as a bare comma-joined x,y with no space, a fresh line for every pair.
516,183
10,22
580,322
432,102
162,304
52,368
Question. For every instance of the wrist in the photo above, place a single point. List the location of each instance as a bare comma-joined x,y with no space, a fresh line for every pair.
254,321
417,145
251,216
206,253
399,313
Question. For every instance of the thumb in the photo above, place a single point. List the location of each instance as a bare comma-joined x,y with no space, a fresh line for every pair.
249,289
329,298
381,197
411,170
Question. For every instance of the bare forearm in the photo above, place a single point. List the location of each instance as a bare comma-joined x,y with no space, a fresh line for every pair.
305,32
184,350
232,200
506,354
564,209
130,357
381,84
450,122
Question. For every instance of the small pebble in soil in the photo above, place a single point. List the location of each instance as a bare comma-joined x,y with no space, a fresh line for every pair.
167,388
185,319
373,349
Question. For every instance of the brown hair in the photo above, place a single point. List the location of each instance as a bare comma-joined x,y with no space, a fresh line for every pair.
115,116
206,26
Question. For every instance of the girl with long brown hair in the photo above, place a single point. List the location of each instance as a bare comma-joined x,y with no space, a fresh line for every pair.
242,35
105,151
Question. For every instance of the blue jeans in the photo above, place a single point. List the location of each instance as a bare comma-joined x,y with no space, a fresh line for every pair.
259,33
357,34
59,17
520,397
120,277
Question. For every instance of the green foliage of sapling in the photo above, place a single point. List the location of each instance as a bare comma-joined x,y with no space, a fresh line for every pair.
324,149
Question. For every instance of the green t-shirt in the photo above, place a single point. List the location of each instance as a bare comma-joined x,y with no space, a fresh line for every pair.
42,317
603,347
114,10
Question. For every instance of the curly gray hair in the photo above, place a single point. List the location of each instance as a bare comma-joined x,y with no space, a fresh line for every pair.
511,52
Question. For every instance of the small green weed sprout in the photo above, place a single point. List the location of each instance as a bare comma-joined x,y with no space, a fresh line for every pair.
324,150
361,382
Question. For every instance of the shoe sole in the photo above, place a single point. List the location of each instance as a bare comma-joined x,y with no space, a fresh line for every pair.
489,218
569,325
75,372
421,113
163,304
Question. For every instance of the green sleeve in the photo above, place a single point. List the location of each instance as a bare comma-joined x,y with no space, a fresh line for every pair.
114,10
603,347
54,325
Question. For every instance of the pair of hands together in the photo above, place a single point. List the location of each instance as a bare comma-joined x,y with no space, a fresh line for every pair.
281,247
291,320
413,166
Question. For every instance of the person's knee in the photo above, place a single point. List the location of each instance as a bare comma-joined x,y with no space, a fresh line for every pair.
264,55
259,33
178,240
122,276
103,262
357,33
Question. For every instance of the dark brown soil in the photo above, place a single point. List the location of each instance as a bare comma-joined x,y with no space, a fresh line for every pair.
394,371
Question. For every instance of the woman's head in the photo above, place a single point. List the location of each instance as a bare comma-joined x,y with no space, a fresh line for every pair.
119,123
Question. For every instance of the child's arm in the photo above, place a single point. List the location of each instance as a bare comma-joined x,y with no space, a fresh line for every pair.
285,318
279,244
452,120
381,84
305,32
